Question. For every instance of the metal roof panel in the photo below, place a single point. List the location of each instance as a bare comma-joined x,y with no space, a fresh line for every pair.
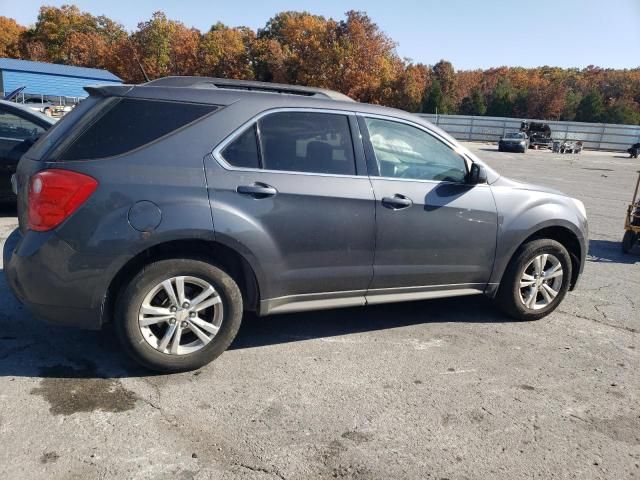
56,69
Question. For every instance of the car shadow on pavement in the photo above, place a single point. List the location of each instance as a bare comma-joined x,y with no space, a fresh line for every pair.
611,251
32,348
294,327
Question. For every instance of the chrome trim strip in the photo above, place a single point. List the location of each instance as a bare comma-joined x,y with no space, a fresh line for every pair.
323,301
217,152
408,296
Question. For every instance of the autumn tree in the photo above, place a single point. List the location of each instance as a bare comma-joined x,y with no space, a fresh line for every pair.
10,34
409,88
351,55
226,52
444,72
68,35
166,47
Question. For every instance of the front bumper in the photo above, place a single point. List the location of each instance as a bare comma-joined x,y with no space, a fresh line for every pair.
512,147
53,281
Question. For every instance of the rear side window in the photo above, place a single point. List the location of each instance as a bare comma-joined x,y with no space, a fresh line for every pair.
125,124
243,151
296,142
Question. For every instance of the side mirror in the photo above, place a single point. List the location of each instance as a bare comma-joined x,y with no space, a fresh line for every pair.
477,174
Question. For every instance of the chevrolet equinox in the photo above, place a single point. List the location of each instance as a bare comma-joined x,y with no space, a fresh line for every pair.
172,207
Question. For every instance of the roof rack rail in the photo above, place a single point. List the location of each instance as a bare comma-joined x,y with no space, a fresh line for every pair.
248,85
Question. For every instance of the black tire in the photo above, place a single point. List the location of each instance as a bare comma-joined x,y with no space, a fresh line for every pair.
629,240
130,300
508,298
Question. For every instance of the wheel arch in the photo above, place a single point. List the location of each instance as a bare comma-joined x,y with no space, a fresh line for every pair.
234,263
560,233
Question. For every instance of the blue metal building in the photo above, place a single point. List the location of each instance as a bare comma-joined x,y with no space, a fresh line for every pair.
49,79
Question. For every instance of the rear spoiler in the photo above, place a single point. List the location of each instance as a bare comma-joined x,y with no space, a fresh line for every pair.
108,90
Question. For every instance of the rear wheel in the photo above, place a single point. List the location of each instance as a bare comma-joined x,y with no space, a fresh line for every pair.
178,315
536,280
629,240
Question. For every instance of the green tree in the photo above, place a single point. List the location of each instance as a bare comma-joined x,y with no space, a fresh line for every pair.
501,104
434,101
473,105
590,108
622,113
572,100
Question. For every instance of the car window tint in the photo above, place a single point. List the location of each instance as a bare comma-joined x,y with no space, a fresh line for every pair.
307,142
404,151
15,128
243,151
16,135
129,123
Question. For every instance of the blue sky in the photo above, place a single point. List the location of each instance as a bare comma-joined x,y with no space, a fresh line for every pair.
469,33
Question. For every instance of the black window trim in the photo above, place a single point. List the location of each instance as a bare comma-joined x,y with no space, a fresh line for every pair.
372,162
355,139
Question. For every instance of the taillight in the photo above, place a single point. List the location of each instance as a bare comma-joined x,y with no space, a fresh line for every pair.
54,195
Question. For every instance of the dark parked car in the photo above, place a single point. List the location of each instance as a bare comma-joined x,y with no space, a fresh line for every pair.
19,128
172,207
513,142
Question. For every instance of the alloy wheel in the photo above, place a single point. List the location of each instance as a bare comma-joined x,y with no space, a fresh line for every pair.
540,281
181,315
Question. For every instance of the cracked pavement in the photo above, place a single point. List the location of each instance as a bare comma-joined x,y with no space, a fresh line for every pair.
434,389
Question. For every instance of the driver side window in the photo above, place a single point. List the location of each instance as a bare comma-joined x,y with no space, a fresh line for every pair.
13,127
404,151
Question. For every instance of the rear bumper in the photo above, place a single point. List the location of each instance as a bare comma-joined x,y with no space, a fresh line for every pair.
53,281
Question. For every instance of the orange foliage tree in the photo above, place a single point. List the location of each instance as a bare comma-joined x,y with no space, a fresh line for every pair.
351,55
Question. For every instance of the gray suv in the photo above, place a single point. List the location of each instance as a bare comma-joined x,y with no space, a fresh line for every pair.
171,208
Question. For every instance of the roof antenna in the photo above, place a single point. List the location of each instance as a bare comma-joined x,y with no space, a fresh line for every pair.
135,57
144,74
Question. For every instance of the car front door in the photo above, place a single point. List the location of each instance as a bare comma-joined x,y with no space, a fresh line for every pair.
14,130
290,190
435,233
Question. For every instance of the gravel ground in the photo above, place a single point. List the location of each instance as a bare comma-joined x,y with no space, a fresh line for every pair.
436,389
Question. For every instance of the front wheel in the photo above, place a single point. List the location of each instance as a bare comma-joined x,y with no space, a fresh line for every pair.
536,280
179,314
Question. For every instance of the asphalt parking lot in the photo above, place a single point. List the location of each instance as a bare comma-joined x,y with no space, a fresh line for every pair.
436,389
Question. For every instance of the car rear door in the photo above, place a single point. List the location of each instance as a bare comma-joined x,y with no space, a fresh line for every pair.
290,191
436,234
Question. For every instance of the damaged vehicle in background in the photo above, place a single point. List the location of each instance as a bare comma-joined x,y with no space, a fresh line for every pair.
539,134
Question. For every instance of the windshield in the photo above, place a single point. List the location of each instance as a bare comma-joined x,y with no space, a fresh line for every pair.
514,135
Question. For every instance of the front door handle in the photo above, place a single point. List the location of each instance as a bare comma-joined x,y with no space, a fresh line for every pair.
257,190
397,202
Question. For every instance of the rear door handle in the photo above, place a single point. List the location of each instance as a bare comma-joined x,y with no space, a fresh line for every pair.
257,190
397,202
